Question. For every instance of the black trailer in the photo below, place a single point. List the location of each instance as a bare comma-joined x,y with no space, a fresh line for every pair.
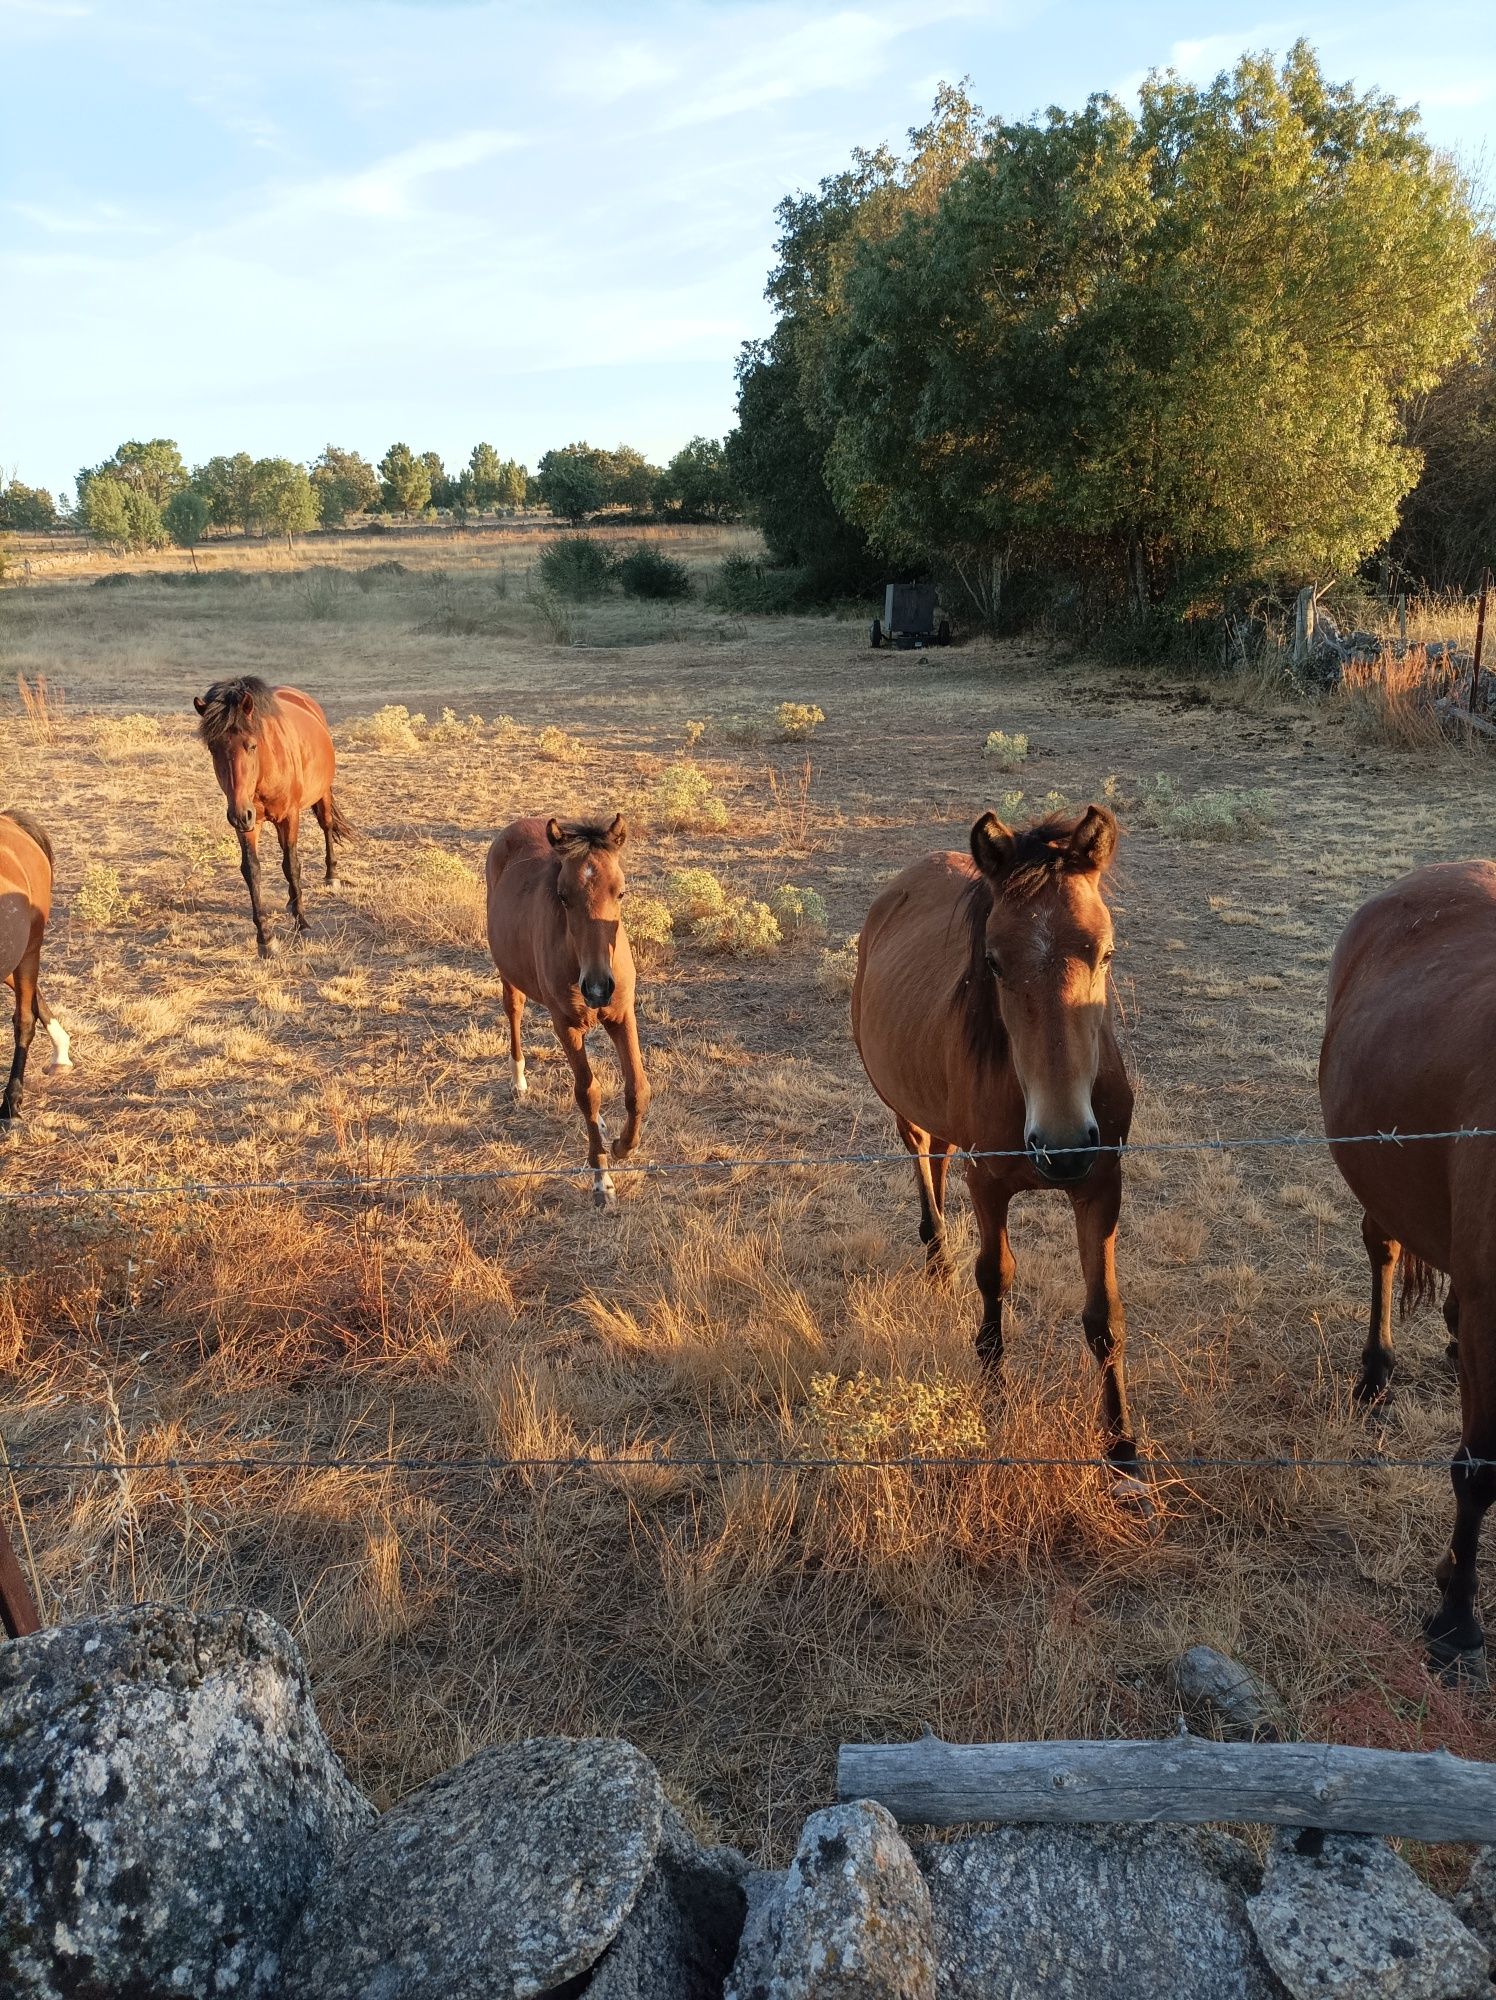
912,617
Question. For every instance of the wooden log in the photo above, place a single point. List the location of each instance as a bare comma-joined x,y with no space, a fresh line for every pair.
1452,712
1183,1780
18,1614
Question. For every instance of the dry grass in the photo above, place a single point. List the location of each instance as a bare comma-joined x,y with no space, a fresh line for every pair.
1391,701
737,1624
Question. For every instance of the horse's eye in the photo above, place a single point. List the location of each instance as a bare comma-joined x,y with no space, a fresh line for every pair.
993,965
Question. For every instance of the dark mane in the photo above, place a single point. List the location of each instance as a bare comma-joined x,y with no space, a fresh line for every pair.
222,702
1041,852
32,831
580,838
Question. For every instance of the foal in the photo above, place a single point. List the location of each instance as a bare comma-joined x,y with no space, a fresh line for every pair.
981,1013
556,933
273,755
25,905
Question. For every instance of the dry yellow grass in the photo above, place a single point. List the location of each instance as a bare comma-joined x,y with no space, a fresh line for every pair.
737,1624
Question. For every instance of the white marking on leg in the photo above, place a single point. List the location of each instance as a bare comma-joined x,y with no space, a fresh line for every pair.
603,1191
61,1058
521,1088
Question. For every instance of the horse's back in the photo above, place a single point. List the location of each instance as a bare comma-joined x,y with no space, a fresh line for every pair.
297,699
516,871
25,887
311,743
1409,1026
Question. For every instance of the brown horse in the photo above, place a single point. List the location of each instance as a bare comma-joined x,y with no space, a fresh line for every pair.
1409,1031
273,757
981,1013
556,933
25,905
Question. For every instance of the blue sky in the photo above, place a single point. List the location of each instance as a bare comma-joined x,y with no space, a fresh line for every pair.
261,227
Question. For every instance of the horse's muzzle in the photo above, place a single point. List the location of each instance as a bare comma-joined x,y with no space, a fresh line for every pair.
598,991
1064,1161
242,822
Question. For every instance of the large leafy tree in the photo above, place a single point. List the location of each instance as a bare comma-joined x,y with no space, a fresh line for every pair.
345,484
571,481
227,483
407,480
153,466
185,519
285,501
514,484
697,484
1169,345
26,507
1448,530
121,513
485,476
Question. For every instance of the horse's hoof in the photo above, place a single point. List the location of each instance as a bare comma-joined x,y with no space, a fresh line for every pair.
1132,1493
270,947
604,1194
1466,1671
332,882
1369,1391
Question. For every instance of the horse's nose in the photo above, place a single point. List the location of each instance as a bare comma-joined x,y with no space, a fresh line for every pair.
597,989
1063,1160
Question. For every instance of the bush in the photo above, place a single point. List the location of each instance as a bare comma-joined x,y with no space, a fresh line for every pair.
1007,752
1228,815
124,735
745,585
645,572
798,912
325,591
441,900
795,720
554,746
693,894
742,929
392,727
681,800
837,968
451,728
650,926
575,567
554,618
100,901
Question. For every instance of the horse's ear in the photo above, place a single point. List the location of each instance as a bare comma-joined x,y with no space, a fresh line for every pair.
199,704
555,833
618,832
1094,841
992,846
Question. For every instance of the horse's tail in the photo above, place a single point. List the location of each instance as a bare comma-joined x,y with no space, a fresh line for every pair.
338,826
1422,1284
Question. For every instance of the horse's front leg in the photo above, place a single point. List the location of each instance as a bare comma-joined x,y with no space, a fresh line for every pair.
991,1198
288,831
589,1102
624,1035
249,868
1096,1210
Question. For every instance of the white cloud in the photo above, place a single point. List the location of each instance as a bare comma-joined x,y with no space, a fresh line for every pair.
388,187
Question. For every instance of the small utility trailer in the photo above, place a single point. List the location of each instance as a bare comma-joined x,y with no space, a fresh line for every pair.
912,617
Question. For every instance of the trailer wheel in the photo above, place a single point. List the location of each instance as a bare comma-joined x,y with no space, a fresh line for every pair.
875,634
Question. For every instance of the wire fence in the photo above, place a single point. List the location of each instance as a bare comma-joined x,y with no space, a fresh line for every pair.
348,1184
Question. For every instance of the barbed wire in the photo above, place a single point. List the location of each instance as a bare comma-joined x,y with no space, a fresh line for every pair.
345,1184
486,1462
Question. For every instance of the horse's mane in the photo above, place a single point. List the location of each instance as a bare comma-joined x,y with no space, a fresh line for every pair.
578,838
223,701
32,830
1040,852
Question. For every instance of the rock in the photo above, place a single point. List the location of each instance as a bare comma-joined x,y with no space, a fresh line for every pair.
679,1939
1341,1914
1094,1913
167,1802
1244,1705
502,1880
851,1917
1476,1903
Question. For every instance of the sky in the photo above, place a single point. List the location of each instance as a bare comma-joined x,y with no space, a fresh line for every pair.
268,226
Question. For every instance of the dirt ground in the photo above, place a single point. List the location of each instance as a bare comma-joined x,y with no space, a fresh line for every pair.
737,1625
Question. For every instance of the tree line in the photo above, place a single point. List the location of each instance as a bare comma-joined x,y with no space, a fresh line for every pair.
1146,361
145,495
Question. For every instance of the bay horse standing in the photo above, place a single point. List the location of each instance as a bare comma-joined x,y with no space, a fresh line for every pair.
555,929
273,756
1410,1028
981,1012
25,905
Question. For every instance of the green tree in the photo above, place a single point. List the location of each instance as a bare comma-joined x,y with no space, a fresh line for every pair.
571,482
1075,357
514,484
285,501
121,514
228,486
486,476
445,490
28,508
345,484
629,480
1447,534
155,467
185,519
407,481
697,484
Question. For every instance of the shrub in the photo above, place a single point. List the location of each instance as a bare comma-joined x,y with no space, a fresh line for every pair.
837,968
742,929
798,912
441,899
681,800
124,735
554,618
100,901
554,746
795,720
693,894
863,1416
646,572
742,729
1232,814
507,730
392,727
693,732
649,924
745,585
575,567
1007,752
452,729
325,593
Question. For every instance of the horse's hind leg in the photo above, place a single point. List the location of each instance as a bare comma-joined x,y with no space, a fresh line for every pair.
995,1264
24,982
514,1007
1455,1639
1377,1358
61,1041
324,814
288,831
589,1103
931,1195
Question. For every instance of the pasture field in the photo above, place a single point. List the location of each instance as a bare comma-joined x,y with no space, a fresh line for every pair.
735,1624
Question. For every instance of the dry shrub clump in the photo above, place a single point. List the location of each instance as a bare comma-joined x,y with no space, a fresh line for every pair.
682,800
650,925
392,727
694,894
554,746
1391,701
1006,751
794,721
438,899
736,926
1228,815
115,736
836,969
798,912
100,900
